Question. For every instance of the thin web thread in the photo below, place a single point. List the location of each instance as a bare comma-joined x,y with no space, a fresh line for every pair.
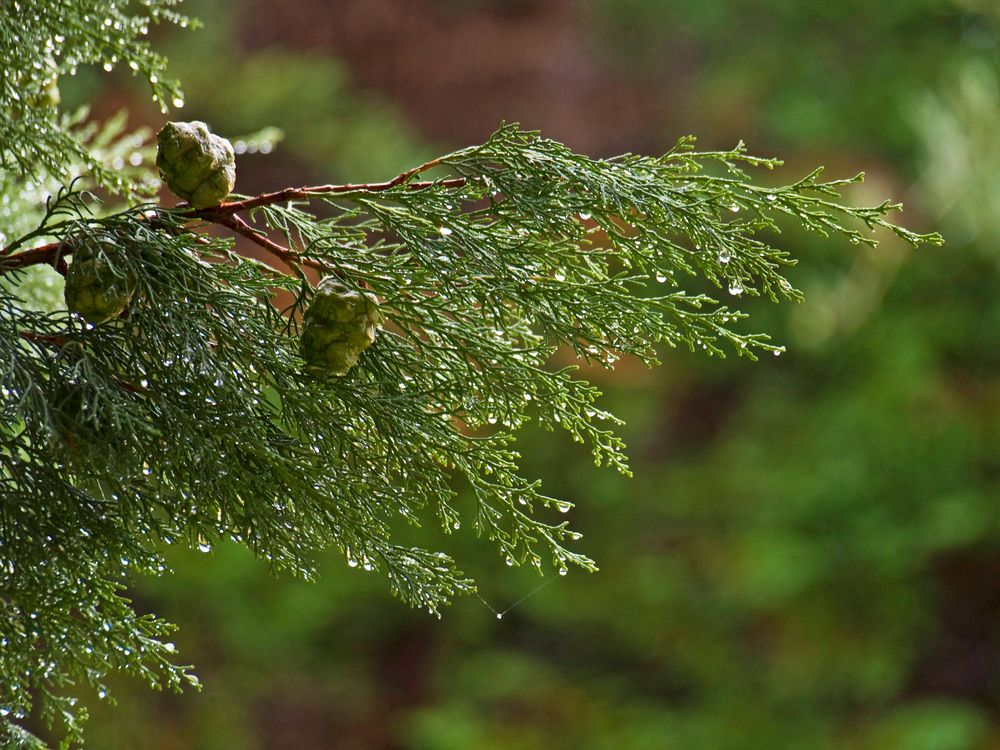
501,613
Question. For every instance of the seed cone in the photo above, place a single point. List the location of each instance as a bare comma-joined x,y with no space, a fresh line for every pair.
99,283
339,324
197,165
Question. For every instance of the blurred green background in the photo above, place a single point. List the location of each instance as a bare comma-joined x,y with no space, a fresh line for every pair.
809,553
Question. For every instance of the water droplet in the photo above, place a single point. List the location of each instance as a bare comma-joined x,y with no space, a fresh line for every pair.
777,352
108,67
771,197
509,561
445,231
734,208
204,547
563,571
584,216
725,256
178,102
352,562
563,507
661,277
456,525
736,288
499,615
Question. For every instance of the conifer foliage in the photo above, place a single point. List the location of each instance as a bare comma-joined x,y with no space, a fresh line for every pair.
187,393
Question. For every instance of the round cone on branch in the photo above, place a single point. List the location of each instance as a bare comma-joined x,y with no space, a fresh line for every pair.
339,324
196,164
99,282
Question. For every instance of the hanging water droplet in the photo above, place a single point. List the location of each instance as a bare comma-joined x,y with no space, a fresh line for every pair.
457,525
563,571
736,288
178,102
771,197
735,208
661,277
584,216
499,615
108,67
204,547
509,561
445,231
563,507
777,352
725,256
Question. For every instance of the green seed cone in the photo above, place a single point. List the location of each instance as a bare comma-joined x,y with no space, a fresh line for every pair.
197,165
339,324
99,283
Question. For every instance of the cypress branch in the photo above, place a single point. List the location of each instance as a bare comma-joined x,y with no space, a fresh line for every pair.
192,417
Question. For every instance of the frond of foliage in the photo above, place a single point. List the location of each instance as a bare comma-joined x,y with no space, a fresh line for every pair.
43,40
191,418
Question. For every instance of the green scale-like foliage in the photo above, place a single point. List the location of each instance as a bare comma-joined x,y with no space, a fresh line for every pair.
196,415
212,426
41,40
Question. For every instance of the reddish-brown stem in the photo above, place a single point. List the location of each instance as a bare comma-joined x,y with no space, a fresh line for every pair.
54,340
290,257
225,215
280,196
241,227
51,254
